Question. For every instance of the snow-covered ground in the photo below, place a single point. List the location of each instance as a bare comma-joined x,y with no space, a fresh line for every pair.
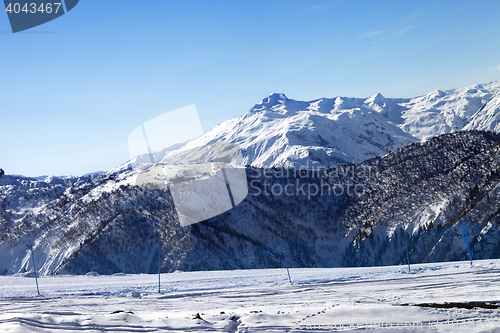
319,300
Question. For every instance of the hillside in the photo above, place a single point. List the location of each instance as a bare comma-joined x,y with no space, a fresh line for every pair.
105,223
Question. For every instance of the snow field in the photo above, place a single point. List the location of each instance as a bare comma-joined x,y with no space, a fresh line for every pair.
319,300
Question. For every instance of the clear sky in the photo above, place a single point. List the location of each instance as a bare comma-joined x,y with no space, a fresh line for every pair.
72,90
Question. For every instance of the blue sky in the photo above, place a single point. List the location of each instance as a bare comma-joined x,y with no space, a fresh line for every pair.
72,90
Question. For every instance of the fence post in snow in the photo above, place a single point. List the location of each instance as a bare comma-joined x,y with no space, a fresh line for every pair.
159,266
34,270
314,256
284,255
407,255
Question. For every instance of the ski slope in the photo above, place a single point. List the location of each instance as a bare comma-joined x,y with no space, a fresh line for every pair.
318,300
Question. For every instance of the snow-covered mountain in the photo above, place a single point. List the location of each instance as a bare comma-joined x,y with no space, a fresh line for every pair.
447,111
487,118
344,215
106,223
282,132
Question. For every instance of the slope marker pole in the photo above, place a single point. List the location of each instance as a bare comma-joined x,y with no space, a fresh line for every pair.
466,237
314,256
159,266
407,255
284,255
34,270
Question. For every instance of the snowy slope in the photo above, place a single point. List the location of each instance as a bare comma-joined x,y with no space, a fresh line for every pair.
488,117
57,217
375,299
105,224
447,111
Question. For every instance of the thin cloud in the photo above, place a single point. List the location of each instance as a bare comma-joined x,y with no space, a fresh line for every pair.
494,68
405,30
370,34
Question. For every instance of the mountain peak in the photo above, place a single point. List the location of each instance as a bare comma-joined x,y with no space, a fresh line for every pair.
273,102
274,99
377,99
436,94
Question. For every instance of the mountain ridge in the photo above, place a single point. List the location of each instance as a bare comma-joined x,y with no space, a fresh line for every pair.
105,223
325,132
